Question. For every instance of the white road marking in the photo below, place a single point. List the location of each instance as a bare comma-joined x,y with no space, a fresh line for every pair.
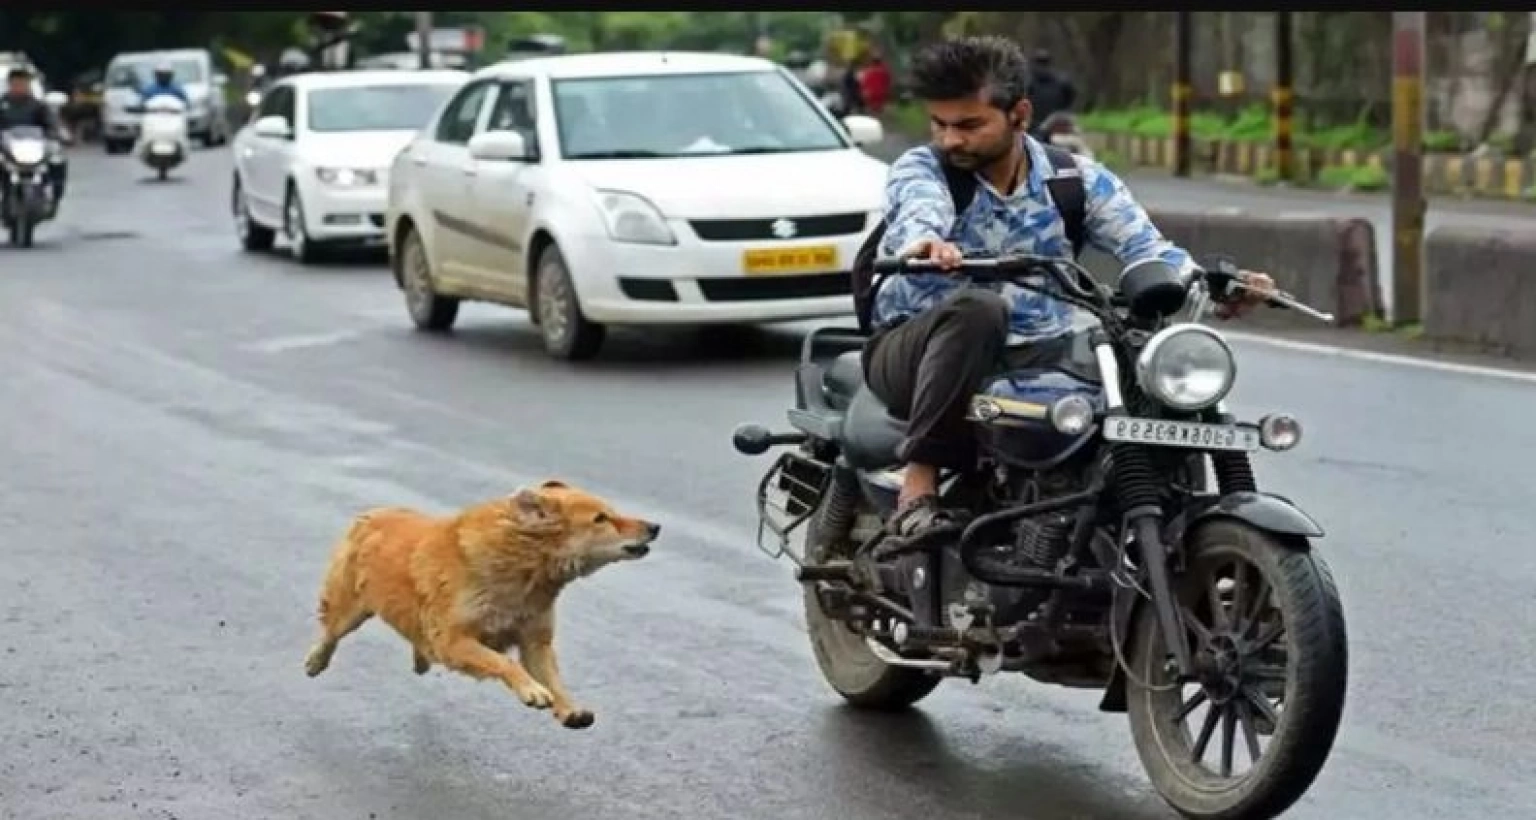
283,344
1398,360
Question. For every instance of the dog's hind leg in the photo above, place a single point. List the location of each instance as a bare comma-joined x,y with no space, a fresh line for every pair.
341,612
470,657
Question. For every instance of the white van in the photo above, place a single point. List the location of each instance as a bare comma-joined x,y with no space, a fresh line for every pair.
127,74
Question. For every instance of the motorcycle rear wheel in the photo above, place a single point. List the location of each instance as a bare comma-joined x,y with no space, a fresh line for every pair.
1279,601
846,662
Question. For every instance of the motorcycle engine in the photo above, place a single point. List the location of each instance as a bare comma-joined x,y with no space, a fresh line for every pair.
1038,543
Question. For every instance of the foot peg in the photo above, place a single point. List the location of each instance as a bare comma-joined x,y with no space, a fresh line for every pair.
831,571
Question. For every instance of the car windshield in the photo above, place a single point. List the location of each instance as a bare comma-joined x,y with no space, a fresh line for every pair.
141,72
402,107
677,115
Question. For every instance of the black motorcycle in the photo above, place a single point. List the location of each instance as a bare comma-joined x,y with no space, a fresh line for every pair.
25,193
1092,548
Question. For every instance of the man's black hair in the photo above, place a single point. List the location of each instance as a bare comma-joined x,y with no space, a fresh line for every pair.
961,68
18,73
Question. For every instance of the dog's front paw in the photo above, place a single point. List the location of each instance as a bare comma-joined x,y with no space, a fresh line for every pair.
536,696
575,718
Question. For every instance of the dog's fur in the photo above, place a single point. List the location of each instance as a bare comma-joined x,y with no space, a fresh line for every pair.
465,589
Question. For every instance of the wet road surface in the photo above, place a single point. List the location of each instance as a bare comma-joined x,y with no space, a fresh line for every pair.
188,428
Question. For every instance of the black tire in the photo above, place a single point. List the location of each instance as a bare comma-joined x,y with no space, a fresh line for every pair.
115,146
428,310
1303,616
305,250
21,232
566,331
253,236
161,173
847,664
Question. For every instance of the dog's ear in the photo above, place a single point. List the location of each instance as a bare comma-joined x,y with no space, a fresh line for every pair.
531,511
553,484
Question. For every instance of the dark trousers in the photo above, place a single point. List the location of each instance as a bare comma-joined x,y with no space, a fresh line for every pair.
927,368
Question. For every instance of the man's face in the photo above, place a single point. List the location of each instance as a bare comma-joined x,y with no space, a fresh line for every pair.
972,133
18,86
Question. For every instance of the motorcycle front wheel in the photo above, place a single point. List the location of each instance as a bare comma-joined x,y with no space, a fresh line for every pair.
1267,631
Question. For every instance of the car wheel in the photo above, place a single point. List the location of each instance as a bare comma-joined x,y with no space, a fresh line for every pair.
428,310
253,235
566,331
305,250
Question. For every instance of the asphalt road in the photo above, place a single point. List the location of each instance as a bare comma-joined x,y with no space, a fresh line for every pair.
1157,189
186,429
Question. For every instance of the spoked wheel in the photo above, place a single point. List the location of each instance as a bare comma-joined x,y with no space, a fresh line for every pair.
1250,734
846,661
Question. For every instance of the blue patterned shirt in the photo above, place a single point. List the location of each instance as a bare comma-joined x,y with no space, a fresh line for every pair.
917,206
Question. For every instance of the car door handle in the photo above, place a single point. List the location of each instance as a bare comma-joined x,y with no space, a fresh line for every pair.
418,160
469,172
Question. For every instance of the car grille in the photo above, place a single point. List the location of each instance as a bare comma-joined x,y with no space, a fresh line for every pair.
737,230
751,289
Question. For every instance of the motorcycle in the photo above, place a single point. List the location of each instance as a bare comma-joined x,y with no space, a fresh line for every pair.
163,142
25,152
1090,546
1061,129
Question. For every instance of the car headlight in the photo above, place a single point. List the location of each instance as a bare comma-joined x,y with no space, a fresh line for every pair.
1186,367
348,177
631,218
30,152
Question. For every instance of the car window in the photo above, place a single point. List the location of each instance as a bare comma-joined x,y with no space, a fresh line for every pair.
514,110
674,115
458,121
404,106
278,103
137,72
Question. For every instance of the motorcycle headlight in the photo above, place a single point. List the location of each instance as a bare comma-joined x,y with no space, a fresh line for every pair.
348,177
28,153
630,218
1186,367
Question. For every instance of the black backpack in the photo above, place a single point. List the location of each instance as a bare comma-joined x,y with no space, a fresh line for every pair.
1065,185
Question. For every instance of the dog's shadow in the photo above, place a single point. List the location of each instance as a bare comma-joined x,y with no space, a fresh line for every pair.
1051,782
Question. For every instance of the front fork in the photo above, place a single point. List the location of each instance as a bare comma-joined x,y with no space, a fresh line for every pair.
1145,521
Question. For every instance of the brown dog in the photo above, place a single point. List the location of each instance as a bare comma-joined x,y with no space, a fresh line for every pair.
465,589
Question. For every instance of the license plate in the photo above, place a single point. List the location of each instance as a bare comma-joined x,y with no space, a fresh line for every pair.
1190,434
162,149
784,261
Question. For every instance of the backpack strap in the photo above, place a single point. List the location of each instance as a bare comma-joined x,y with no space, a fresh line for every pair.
962,183
1069,194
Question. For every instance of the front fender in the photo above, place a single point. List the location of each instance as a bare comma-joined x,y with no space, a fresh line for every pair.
1264,511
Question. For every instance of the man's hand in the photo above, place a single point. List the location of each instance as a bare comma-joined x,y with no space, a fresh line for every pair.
946,255
1258,290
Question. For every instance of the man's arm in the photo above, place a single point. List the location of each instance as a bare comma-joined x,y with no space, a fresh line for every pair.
917,202
1116,223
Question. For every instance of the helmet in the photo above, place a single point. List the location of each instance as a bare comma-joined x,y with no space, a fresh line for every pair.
164,73
293,59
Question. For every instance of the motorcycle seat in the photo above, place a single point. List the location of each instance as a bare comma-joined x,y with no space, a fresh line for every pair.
870,434
843,379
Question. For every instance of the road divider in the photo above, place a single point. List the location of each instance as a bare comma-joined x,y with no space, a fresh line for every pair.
1327,262
1481,289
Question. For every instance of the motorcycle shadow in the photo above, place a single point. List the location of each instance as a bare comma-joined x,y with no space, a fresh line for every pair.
1012,779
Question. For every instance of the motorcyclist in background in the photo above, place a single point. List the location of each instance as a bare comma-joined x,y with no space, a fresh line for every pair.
164,82
21,107
1050,91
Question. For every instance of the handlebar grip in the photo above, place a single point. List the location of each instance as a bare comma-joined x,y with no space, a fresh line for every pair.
890,265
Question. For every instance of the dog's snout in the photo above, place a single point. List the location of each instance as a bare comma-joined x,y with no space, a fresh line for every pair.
652,530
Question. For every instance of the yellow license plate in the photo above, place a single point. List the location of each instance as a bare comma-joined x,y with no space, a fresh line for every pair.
782,261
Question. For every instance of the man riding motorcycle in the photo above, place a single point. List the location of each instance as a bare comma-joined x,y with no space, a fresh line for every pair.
934,341
164,82
20,107
1050,92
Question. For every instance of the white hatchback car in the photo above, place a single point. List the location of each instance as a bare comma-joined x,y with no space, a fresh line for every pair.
633,188
313,162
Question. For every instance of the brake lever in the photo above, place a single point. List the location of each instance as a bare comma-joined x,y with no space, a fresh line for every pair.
1281,299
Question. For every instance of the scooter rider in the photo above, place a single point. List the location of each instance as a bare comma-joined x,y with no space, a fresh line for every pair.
165,83
20,107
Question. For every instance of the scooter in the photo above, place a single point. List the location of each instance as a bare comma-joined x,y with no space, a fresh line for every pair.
163,142
26,197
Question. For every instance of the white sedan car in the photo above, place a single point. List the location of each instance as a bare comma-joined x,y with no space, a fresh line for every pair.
632,188
313,162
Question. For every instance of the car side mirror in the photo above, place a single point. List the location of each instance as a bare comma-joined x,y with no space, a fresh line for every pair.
272,126
501,146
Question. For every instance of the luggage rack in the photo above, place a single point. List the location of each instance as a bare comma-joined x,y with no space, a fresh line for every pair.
787,497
